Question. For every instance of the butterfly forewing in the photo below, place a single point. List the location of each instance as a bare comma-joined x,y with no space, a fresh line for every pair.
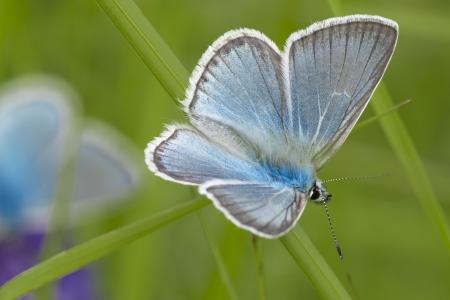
334,68
33,123
239,83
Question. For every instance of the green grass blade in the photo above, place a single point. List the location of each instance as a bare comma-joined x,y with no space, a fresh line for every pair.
155,53
313,264
60,209
223,272
375,118
168,59
83,254
336,7
400,140
259,268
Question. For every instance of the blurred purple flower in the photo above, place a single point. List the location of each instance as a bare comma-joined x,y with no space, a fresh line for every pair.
20,252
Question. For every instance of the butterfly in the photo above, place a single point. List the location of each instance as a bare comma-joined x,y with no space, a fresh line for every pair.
37,122
264,121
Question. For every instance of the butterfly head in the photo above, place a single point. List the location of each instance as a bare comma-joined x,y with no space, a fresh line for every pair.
318,193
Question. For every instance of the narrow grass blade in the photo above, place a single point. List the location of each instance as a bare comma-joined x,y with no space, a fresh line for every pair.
315,267
155,53
83,254
231,247
60,210
400,140
223,272
375,118
259,267
126,8
336,7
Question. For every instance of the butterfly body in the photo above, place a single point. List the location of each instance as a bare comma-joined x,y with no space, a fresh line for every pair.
301,178
264,121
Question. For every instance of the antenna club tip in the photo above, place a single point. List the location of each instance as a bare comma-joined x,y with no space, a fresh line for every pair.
339,251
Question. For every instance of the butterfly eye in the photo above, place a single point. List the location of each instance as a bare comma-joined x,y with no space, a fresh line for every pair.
315,194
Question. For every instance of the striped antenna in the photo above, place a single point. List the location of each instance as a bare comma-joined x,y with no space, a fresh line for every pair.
345,178
333,233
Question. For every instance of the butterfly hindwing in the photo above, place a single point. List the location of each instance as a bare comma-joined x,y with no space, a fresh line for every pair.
266,209
105,168
334,67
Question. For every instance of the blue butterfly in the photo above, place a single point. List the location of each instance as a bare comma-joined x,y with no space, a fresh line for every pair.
264,121
36,123
36,131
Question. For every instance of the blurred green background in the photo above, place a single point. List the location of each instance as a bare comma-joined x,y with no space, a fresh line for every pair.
391,249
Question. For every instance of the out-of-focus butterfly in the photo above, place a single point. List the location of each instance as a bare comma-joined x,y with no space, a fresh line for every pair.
37,131
264,121
36,122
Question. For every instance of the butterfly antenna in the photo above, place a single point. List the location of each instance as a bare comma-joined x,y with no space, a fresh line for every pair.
355,178
333,233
